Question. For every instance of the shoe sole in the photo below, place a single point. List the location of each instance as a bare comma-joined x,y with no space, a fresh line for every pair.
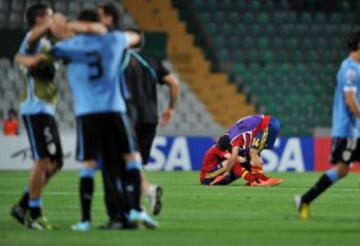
158,203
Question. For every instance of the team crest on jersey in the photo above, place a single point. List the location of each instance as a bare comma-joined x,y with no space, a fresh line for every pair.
256,143
351,74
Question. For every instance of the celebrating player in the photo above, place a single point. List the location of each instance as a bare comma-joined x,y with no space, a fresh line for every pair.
247,138
142,74
93,65
345,140
38,110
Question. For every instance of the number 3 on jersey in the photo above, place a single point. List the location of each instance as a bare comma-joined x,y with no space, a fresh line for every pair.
95,63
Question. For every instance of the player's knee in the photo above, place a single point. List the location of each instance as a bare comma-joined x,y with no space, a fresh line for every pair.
342,170
42,164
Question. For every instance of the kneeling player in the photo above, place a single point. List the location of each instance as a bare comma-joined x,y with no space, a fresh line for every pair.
248,137
215,165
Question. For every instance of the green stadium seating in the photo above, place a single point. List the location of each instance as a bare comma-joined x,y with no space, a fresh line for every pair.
233,42
239,29
234,17
219,42
254,5
305,18
248,42
248,18
263,18
225,29
320,18
255,30
294,54
204,17
262,43
218,17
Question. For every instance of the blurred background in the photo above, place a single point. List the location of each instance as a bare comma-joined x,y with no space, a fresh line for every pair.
233,58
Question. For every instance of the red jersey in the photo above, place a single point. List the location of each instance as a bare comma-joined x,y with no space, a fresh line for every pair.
212,158
243,132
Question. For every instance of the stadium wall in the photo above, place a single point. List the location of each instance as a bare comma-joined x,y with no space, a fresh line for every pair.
169,153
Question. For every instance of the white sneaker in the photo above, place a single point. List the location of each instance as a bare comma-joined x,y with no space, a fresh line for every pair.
143,218
154,195
81,226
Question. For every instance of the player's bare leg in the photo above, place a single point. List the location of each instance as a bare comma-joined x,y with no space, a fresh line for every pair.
42,171
153,193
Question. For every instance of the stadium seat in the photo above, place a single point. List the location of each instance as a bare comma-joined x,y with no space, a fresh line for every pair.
223,55
305,18
211,28
234,17
335,18
15,20
204,16
233,42
3,19
291,43
287,30
278,18
4,6
17,5
254,5
248,42
219,42
255,30
218,17
320,18
262,18
248,18
268,29
225,29
262,43
239,29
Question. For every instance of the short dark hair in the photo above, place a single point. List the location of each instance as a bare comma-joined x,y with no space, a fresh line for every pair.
224,143
112,10
34,11
88,15
353,40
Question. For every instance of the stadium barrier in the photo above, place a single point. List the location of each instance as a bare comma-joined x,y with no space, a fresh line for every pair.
293,154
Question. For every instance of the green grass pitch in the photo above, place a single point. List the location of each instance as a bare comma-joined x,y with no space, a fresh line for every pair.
196,215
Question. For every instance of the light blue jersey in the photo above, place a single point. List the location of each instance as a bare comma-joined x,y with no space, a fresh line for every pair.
38,96
94,69
348,79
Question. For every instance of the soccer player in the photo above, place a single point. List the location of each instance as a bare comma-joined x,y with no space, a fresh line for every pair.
247,138
345,140
215,165
142,74
38,110
93,65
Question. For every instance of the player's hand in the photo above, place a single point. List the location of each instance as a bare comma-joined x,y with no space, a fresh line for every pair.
221,179
167,116
241,159
59,18
256,160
